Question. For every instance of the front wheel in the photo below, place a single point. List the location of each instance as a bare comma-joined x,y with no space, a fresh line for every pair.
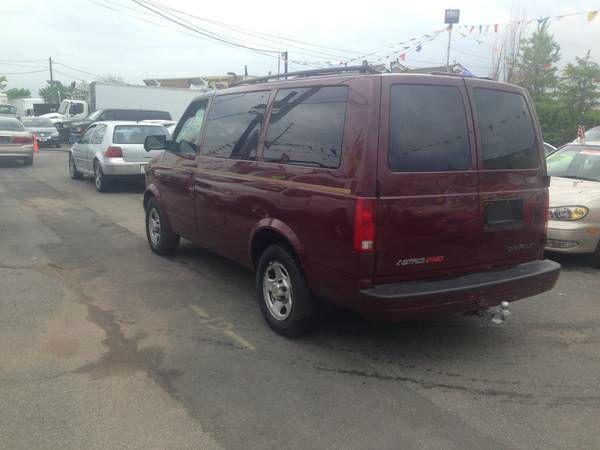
161,238
283,294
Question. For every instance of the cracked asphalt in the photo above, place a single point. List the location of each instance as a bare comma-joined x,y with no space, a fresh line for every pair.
105,345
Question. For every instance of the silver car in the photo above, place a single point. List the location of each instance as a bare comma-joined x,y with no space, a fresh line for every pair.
108,150
15,141
43,129
574,225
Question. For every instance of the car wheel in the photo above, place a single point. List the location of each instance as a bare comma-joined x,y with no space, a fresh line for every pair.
595,257
160,236
283,294
28,161
73,172
100,180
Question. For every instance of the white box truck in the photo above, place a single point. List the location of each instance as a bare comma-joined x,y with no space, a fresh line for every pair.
125,96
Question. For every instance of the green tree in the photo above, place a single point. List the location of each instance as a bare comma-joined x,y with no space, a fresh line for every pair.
578,89
55,92
17,93
537,71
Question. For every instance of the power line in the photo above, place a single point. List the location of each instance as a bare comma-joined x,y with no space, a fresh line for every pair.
209,35
252,32
22,60
21,65
23,73
77,70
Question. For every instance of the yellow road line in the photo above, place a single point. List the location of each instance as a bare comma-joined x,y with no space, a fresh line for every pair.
217,324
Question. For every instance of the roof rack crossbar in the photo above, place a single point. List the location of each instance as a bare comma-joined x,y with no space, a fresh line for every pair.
363,68
454,74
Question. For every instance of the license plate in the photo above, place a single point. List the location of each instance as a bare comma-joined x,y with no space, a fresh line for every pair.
143,169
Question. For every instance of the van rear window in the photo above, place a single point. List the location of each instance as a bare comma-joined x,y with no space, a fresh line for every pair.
428,129
508,138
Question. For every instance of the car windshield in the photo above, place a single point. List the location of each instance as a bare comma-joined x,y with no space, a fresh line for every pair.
578,162
136,134
593,134
62,109
42,122
11,125
7,109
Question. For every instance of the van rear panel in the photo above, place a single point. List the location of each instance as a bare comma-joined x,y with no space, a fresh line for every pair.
461,179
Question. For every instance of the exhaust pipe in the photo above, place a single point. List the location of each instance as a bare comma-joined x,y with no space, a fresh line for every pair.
496,314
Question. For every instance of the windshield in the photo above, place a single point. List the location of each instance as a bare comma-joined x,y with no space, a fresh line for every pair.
95,115
62,109
42,122
136,134
593,134
7,109
575,161
11,125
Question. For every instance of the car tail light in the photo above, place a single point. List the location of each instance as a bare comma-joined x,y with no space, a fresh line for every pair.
22,140
113,152
364,225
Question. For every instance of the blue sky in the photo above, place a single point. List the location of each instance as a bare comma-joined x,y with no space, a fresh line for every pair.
87,36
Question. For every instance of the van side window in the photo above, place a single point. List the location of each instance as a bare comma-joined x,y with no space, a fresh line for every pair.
507,135
428,129
306,126
233,125
188,137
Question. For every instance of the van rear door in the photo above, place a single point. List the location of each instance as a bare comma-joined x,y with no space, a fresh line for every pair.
512,181
428,218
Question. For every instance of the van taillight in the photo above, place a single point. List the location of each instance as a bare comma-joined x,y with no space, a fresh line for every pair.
113,152
22,139
546,210
364,225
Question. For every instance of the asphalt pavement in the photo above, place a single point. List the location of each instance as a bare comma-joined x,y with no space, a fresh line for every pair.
105,345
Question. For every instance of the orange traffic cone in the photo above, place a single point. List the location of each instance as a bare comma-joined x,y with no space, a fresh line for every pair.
36,146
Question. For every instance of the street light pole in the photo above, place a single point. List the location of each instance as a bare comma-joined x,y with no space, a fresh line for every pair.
448,52
451,16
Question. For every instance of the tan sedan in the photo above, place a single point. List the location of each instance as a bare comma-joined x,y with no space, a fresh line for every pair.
15,141
574,225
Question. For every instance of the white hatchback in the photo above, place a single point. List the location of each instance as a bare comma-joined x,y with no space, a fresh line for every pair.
113,149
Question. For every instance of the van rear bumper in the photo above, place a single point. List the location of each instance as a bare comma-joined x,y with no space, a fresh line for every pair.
469,292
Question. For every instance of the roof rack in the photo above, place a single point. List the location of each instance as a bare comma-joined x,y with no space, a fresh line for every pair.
453,74
363,68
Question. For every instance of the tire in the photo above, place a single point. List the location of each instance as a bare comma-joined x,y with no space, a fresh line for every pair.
73,172
101,181
284,297
28,161
160,236
595,257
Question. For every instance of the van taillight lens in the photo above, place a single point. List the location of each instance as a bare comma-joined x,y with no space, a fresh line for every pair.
113,152
22,139
364,225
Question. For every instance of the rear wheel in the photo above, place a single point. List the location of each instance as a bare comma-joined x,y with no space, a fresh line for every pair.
161,238
28,160
283,294
100,180
73,172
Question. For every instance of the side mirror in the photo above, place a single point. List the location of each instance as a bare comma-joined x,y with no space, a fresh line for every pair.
156,142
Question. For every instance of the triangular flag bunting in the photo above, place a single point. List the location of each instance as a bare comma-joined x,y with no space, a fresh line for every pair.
480,28
472,28
591,15
495,28
403,57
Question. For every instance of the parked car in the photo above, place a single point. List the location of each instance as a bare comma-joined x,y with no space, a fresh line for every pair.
574,225
109,150
43,129
370,191
15,141
548,149
8,111
70,131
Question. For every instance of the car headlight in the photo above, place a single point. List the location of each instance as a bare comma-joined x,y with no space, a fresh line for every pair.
568,212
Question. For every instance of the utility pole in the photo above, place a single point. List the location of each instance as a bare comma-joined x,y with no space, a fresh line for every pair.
50,67
285,62
451,17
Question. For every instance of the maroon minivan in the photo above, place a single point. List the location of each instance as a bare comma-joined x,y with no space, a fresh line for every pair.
395,195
